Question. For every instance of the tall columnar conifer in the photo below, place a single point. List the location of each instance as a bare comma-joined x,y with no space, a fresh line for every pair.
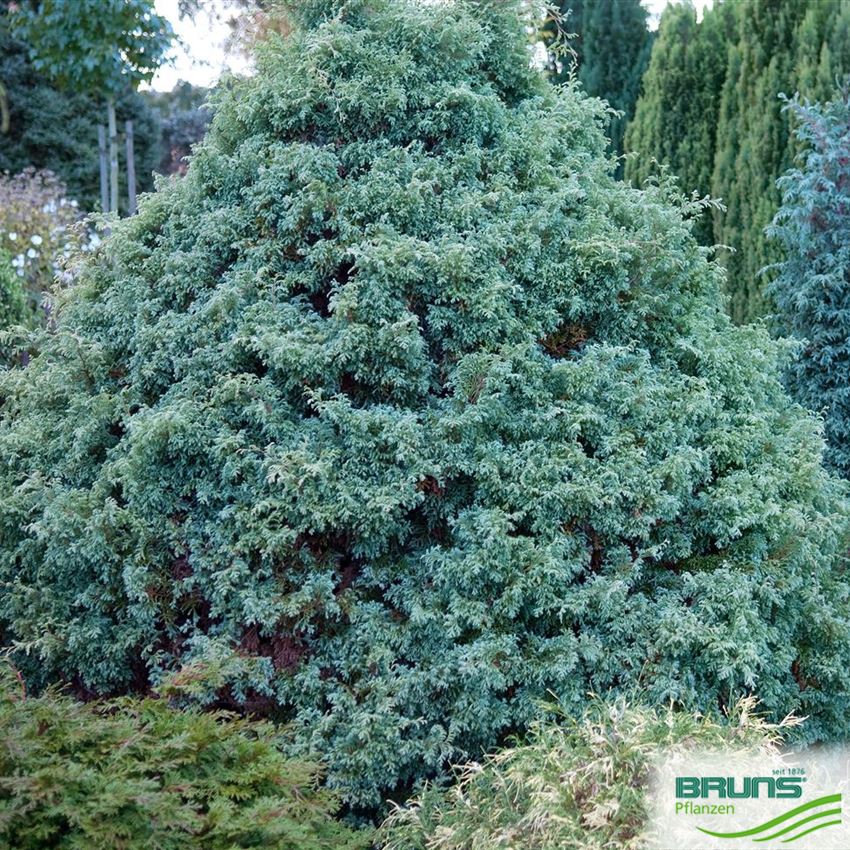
682,86
710,109
611,44
811,287
399,410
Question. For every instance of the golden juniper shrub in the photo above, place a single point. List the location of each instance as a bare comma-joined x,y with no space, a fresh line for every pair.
136,774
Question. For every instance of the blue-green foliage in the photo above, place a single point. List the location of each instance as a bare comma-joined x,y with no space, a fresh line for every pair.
399,410
812,285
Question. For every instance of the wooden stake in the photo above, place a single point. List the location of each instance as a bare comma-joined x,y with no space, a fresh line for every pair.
113,157
104,185
131,169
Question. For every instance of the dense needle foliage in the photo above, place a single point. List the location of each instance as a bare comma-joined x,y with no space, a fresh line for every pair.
399,410
812,285
136,775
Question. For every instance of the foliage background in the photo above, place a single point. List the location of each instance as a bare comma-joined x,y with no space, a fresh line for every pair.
710,109
56,129
611,45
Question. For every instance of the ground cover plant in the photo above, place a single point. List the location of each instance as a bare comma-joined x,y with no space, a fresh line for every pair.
581,782
137,774
398,411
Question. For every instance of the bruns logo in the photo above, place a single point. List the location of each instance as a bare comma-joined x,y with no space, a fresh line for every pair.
740,788
732,799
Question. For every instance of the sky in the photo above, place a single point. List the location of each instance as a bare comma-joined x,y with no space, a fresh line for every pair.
656,7
201,57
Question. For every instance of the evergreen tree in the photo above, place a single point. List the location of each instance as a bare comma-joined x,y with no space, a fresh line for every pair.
812,283
682,87
399,410
611,44
710,109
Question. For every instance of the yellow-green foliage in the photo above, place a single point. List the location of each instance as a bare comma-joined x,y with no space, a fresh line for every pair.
580,783
138,775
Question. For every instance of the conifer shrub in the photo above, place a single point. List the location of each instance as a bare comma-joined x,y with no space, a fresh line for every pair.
398,411
136,774
811,286
580,783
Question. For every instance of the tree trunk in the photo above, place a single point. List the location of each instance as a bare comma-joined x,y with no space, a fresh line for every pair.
113,157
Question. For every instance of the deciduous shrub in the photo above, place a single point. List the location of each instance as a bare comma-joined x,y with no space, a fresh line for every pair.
581,783
811,286
37,228
12,303
398,410
133,775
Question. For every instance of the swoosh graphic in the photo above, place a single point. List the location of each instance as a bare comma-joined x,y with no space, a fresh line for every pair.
809,819
821,801
819,826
